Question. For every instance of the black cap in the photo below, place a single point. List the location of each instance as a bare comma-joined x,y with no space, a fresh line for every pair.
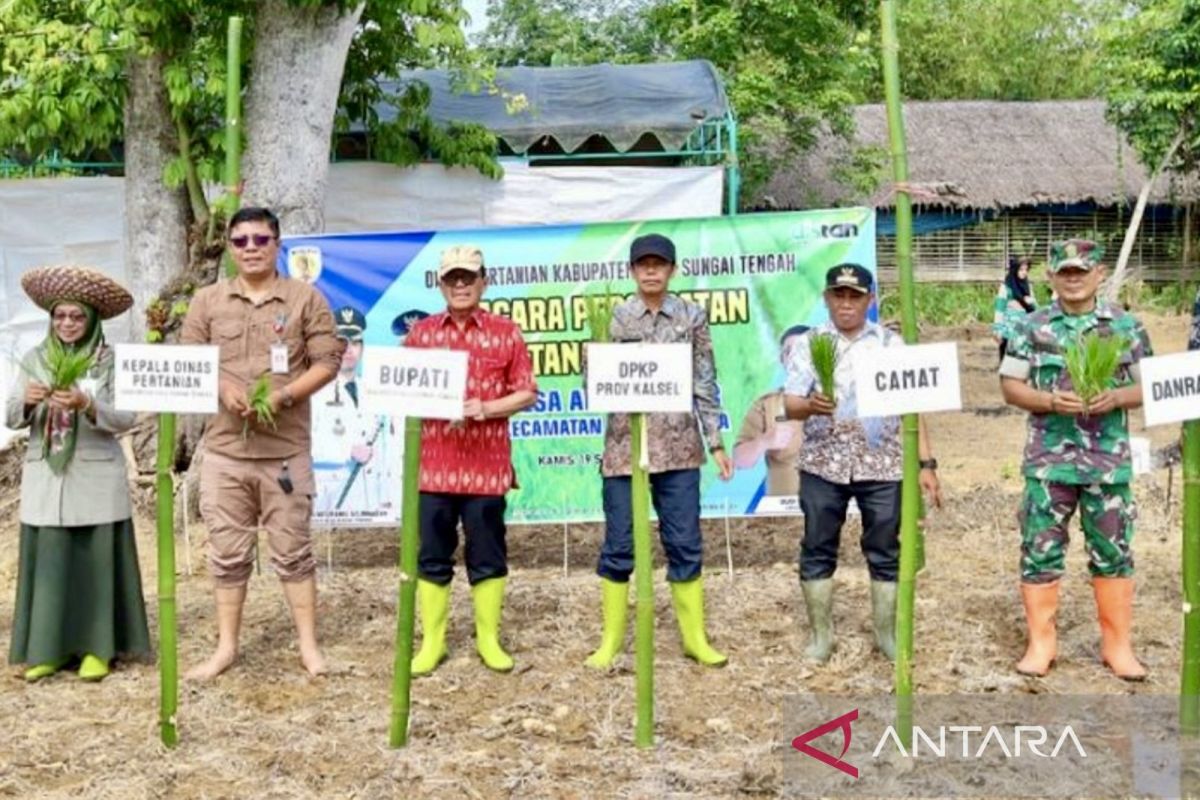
652,244
403,323
350,323
849,276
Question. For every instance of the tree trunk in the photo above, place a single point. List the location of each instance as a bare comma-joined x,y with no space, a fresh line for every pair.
156,217
299,57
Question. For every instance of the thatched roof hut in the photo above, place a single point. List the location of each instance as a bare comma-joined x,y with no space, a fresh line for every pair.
979,155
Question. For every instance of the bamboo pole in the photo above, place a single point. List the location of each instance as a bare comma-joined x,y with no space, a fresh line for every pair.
1113,293
168,653
642,570
910,498
410,532
233,128
1189,685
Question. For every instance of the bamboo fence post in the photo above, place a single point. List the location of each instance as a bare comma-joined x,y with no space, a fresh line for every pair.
168,654
1189,685
910,489
644,577
410,532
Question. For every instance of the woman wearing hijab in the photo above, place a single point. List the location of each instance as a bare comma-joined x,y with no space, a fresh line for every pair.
79,592
1013,301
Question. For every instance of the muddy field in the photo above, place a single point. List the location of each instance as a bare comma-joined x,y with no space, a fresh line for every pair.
554,728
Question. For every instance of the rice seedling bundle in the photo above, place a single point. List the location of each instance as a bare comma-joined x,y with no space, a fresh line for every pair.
1092,362
822,348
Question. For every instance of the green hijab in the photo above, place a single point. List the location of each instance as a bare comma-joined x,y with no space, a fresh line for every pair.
59,428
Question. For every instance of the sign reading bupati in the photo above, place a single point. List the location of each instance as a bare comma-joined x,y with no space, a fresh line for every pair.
1171,388
908,380
629,378
414,382
179,379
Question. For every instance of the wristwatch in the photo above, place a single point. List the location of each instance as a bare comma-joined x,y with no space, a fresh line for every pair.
929,463
288,399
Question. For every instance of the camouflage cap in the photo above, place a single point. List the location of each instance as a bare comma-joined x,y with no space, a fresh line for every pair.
1080,253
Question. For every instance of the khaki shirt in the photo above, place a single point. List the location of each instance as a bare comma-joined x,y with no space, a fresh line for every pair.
783,465
293,313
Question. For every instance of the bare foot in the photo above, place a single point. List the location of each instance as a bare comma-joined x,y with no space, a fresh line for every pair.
220,661
312,660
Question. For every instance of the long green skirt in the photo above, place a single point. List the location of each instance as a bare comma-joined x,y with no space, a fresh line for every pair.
78,591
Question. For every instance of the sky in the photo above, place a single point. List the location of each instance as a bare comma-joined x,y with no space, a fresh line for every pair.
478,11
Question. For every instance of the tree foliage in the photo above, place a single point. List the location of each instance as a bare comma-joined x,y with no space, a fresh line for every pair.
543,33
996,49
1152,66
63,69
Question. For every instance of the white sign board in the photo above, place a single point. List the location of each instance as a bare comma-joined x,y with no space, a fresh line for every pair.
414,382
787,505
1142,455
912,379
167,378
632,378
1171,388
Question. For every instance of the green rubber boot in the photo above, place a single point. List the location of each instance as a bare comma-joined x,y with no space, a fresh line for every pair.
489,601
614,601
39,671
435,610
689,611
818,601
93,668
883,616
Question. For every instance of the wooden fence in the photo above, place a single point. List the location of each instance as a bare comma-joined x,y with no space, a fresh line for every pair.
980,251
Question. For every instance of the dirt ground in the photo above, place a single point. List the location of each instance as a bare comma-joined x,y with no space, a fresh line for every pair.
553,728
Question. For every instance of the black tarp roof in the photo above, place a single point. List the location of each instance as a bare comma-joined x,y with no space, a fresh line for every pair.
621,103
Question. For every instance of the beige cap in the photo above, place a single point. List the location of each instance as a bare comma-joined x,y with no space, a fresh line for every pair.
461,256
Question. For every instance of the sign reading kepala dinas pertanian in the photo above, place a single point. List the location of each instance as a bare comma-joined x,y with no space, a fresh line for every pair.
179,379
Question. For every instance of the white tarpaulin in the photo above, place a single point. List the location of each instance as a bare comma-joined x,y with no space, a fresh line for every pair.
369,196
81,220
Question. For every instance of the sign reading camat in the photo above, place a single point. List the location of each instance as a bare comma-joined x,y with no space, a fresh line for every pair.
179,379
908,380
629,378
1171,388
414,382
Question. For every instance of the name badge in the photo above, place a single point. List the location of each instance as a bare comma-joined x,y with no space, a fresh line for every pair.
279,359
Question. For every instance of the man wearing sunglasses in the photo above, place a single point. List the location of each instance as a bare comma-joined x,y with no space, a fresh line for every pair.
466,466
257,472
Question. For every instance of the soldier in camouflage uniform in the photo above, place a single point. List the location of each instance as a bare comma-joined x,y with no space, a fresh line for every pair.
1075,456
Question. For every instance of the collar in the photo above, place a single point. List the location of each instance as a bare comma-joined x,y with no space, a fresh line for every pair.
670,307
869,329
1102,311
478,316
237,288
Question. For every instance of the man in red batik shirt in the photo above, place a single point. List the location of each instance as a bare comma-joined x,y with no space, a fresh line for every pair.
466,466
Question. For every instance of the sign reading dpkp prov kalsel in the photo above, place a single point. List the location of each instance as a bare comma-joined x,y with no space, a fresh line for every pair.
1171,388
414,382
168,379
908,380
632,378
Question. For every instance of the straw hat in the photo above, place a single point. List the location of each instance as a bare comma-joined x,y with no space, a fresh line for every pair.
49,285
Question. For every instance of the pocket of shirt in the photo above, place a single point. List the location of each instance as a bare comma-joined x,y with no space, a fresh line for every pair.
1047,368
227,329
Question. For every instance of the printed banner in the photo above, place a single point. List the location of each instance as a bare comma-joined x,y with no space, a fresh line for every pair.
758,276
